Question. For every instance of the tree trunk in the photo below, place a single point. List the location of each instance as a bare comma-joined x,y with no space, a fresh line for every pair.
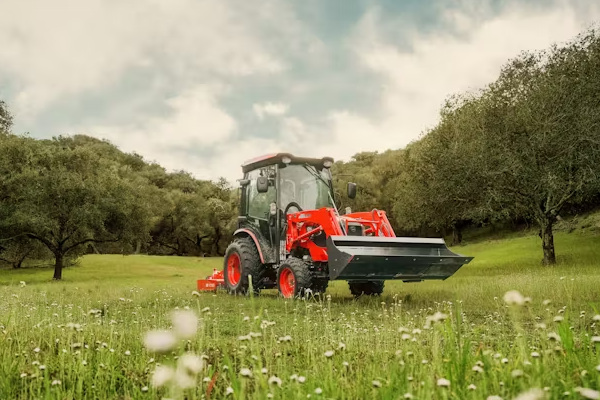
548,243
58,266
456,235
138,246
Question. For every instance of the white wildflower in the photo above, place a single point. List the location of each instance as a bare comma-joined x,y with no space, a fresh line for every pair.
264,371
329,353
127,353
504,361
408,396
376,384
22,283
598,368
513,297
286,338
595,339
443,382
205,309
553,336
318,390
471,387
144,389
535,354
301,379
494,397
341,346
56,382
228,391
244,338
588,393
516,373
273,380
558,318
162,375
160,341
531,394
477,368
596,318
23,375
42,367
36,350
245,372
185,323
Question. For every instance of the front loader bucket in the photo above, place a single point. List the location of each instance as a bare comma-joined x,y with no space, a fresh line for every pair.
381,258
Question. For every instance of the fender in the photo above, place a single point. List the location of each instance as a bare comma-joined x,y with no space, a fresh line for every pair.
244,231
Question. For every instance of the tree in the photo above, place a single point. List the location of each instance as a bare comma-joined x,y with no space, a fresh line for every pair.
66,196
541,133
5,118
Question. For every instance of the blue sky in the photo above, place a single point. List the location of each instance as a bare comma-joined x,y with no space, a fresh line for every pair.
202,85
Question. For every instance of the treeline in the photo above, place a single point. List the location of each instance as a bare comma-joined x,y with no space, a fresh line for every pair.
68,196
524,148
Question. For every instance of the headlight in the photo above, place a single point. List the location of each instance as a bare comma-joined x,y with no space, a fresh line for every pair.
327,163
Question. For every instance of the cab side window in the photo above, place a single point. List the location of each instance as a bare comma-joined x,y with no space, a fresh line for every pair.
259,203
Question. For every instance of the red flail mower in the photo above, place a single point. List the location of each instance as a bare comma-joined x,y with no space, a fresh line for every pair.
291,236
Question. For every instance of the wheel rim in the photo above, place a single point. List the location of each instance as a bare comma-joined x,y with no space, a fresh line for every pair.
233,269
287,283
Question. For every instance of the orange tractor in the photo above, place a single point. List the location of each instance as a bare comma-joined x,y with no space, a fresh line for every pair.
291,236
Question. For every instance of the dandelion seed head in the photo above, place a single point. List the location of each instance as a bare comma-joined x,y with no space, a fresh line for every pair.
162,375
185,323
190,364
159,341
514,298
329,353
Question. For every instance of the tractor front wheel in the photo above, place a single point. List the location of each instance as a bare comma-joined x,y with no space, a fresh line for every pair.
242,261
293,278
368,288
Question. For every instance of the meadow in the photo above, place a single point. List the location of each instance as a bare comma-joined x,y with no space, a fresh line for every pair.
463,338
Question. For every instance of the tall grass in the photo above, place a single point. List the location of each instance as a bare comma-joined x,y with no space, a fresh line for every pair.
83,338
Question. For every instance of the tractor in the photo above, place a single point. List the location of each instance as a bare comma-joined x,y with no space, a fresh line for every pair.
292,237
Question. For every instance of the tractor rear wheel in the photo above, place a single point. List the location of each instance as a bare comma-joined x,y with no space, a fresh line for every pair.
293,278
368,288
241,262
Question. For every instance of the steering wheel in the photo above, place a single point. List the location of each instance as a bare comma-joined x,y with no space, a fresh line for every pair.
290,205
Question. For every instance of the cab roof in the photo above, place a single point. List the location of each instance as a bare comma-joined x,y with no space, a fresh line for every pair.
275,158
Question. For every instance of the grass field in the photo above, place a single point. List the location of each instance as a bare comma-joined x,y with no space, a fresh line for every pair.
83,337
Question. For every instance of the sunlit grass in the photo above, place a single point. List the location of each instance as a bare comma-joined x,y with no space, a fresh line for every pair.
380,346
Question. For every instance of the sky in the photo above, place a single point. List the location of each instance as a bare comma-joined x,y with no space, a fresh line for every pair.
203,85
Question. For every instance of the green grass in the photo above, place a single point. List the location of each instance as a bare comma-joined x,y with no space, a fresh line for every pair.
137,293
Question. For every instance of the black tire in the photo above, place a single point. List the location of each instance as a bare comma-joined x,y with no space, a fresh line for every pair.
368,288
302,276
250,265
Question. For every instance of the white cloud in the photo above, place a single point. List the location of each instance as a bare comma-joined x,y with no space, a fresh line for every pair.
417,80
68,47
266,109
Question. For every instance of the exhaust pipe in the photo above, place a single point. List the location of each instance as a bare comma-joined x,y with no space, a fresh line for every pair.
383,258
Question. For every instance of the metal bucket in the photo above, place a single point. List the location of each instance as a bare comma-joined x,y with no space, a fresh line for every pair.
383,258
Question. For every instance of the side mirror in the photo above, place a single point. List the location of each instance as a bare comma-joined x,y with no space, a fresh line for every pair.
351,190
262,184
244,182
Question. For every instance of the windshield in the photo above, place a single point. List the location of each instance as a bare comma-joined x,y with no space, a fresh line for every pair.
305,185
